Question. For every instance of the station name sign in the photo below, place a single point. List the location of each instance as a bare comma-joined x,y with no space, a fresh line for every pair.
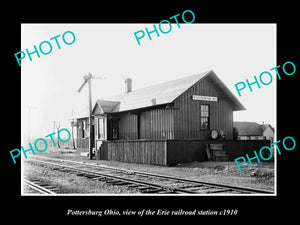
204,98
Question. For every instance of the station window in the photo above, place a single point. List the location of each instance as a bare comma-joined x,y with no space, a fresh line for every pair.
204,117
101,128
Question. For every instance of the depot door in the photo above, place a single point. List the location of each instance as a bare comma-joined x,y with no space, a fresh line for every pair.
113,129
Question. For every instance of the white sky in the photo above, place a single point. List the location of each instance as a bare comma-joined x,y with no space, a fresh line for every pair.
235,52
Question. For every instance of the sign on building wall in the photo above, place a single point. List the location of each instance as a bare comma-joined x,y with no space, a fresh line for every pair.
204,98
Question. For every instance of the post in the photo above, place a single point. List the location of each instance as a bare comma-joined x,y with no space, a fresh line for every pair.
90,118
29,115
73,139
87,79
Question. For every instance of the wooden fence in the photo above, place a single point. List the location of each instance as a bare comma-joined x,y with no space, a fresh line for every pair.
182,151
172,152
151,152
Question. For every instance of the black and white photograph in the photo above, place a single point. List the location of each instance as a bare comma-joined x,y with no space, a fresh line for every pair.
165,116
162,117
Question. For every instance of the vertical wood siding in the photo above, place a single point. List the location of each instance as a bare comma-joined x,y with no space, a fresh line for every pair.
128,126
183,151
172,152
151,152
187,118
157,124
152,124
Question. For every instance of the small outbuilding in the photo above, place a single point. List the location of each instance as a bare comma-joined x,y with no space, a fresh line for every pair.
253,131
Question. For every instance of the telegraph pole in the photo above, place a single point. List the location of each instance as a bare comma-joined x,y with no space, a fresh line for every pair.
29,113
90,116
72,126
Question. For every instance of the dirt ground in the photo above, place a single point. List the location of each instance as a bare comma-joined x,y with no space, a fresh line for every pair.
259,176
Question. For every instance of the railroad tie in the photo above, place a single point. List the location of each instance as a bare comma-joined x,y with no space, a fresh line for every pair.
115,182
190,186
134,185
218,191
141,188
152,190
90,176
54,189
97,178
122,183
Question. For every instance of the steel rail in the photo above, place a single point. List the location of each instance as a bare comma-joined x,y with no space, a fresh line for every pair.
38,187
213,185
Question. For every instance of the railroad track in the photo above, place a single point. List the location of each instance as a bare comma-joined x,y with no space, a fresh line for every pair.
146,183
39,187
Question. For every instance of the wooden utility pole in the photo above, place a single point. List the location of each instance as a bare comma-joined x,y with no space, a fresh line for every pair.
90,117
87,79
29,114
72,127
73,139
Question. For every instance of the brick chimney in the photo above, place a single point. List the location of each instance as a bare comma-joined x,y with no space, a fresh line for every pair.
128,85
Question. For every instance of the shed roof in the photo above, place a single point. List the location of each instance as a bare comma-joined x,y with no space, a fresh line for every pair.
248,128
163,93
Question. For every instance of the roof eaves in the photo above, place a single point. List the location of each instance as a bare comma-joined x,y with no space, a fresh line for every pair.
201,76
236,103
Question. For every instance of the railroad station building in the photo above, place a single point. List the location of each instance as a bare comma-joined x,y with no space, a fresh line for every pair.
164,124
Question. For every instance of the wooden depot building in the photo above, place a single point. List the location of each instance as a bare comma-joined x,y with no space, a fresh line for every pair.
164,124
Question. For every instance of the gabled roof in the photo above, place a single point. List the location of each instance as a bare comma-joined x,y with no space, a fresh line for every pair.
248,128
102,107
165,93
237,105
265,126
